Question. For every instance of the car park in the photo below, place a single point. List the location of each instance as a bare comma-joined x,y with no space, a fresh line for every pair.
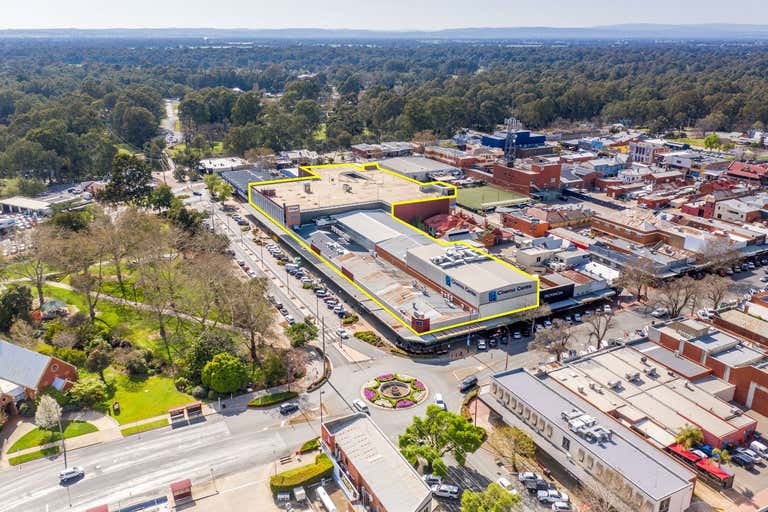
536,485
68,474
338,308
493,341
361,406
446,491
288,408
746,452
440,402
431,479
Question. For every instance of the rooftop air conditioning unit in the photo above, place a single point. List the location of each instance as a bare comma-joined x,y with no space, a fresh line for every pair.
643,359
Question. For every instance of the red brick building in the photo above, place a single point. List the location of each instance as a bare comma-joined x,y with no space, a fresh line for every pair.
370,470
525,177
24,372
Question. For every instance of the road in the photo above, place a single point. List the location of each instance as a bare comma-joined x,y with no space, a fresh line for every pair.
244,439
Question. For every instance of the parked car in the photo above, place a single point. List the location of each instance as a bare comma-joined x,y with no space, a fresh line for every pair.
561,506
67,474
537,485
547,323
343,333
516,335
526,476
507,486
551,496
440,402
288,408
431,479
659,312
607,309
481,344
361,406
576,317
759,448
742,460
746,452
468,383
446,491
290,319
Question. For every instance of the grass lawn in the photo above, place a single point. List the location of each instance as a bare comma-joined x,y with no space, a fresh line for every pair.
144,427
275,398
37,437
475,197
14,461
691,141
142,398
138,326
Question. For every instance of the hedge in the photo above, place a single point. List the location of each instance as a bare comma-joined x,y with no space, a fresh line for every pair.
302,476
370,337
311,445
275,398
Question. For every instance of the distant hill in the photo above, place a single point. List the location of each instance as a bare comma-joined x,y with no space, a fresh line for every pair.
700,32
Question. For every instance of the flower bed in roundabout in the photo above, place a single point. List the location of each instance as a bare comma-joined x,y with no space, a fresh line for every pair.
394,391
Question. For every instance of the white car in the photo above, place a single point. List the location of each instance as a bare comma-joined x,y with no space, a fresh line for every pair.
552,496
702,314
446,491
659,312
561,506
516,335
527,475
440,402
547,324
361,406
71,473
576,317
481,344
507,486
343,333
607,309
431,479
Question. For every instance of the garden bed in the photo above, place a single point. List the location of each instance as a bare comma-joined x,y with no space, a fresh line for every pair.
393,391
302,476
274,398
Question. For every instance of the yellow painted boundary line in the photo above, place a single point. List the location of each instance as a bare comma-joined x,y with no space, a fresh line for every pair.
361,168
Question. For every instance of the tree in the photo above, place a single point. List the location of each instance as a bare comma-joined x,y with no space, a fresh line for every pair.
722,456
15,303
715,289
712,141
689,436
676,295
437,434
78,254
98,361
201,350
718,254
301,333
129,181
89,391
510,442
250,311
32,262
247,108
599,324
493,499
219,189
557,340
224,373
598,498
138,125
48,413
530,315
161,197
637,273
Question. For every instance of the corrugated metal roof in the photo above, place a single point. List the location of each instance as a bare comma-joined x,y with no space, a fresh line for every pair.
21,366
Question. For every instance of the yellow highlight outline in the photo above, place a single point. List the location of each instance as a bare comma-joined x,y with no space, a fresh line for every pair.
362,168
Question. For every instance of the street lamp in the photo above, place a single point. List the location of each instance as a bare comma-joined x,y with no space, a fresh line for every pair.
509,344
322,392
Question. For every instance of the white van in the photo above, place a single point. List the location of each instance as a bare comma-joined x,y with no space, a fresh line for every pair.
759,448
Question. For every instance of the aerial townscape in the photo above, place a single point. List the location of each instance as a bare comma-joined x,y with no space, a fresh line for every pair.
409,265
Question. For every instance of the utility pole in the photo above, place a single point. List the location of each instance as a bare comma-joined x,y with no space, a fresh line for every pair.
63,445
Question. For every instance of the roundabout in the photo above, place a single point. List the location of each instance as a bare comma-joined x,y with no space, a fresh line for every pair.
394,391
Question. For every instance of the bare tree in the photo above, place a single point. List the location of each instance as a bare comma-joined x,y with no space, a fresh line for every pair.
530,315
718,254
715,289
676,295
117,237
557,340
32,263
636,275
598,498
599,324
250,311
80,256
209,279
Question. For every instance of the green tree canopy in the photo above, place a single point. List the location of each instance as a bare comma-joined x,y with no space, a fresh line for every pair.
493,499
224,373
437,434
129,182
15,303
301,333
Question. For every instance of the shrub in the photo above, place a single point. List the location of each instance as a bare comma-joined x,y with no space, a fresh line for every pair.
182,384
349,319
275,398
199,392
310,446
302,476
27,409
72,355
88,391
60,397
370,337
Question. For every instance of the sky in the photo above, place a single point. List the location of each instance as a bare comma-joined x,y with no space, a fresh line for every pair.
367,14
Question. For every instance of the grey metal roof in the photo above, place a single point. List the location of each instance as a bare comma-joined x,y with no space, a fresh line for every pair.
627,453
21,366
408,165
391,478
740,355
679,365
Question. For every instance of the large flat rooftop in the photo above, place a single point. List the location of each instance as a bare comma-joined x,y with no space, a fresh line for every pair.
345,185
626,453
395,482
